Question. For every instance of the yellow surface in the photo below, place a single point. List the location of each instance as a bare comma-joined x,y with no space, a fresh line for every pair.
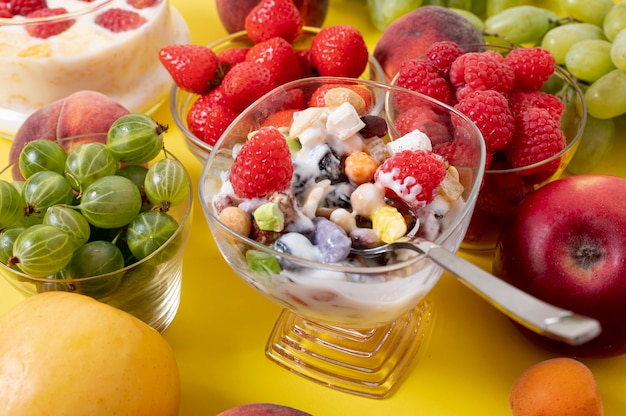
467,367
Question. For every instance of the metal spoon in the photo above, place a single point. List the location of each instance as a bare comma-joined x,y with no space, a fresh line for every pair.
537,315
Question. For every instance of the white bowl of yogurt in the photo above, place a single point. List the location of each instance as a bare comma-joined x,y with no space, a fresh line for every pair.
124,65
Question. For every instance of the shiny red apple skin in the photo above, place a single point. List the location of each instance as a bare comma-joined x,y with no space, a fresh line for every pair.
232,13
566,244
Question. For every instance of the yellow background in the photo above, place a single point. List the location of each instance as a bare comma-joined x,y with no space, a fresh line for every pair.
466,367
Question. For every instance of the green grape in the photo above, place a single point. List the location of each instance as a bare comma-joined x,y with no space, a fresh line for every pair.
149,231
7,239
11,204
494,7
96,258
135,138
70,221
606,97
88,162
110,202
614,21
41,250
618,50
520,24
471,17
166,183
561,38
383,12
44,189
39,155
596,141
588,11
590,59
137,174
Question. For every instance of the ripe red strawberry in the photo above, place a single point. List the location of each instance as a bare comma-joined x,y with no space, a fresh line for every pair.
272,18
193,68
277,55
120,20
412,175
218,119
46,30
198,113
25,7
306,63
280,118
142,4
339,51
231,57
262,166
245,82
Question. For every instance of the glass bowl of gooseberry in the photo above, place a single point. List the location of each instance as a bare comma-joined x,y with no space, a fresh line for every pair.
349,322
76,218
182,101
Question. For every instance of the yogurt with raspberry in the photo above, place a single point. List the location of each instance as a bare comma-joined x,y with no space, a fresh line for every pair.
327,210
123,65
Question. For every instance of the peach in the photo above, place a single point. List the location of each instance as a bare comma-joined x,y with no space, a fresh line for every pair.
232,13
262,409
79,113
411,35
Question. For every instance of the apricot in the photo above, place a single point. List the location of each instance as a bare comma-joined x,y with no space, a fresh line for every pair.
263,409
411,35
559,386
62,353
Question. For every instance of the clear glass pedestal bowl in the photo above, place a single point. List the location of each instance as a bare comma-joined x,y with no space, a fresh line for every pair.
354,328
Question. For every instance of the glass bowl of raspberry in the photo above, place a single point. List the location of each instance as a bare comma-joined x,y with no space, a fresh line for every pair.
320,166
51,49
196,115
530,111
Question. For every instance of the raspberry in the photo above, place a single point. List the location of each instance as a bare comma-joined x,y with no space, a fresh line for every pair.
412,175
532,67
142,4
489,110
120,20
277,55
460,153
481,71
422,76
262,166
424,119
25,7
538,137
523,100
501,192
5,12
442,54
48,29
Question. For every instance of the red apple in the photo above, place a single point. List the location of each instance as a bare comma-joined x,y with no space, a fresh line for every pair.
566,244
232,13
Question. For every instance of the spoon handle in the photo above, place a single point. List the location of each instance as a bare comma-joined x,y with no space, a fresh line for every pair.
537,315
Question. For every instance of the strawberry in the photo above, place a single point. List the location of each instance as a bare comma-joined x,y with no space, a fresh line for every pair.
245,82
339,51
412,175
217,120
306,63
25,7
272,18
48,29
193,68
142,4
262,166
232,56
120,20
277,55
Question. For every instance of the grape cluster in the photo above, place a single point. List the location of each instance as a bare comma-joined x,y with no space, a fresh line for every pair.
92,209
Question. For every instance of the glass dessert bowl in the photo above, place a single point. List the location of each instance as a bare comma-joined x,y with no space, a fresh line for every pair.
350,323
181,101
144,283
84,51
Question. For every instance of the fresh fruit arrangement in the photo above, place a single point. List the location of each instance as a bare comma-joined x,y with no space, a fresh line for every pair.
92,205
118,365
227,81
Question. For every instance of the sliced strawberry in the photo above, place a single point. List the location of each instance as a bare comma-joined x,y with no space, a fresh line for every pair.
245,82
142,4
193,68
25,7
48,29
120,20
277,55
271,18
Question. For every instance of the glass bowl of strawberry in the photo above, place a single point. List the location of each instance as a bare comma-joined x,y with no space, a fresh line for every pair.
53,48
244,69
320,166
530,111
